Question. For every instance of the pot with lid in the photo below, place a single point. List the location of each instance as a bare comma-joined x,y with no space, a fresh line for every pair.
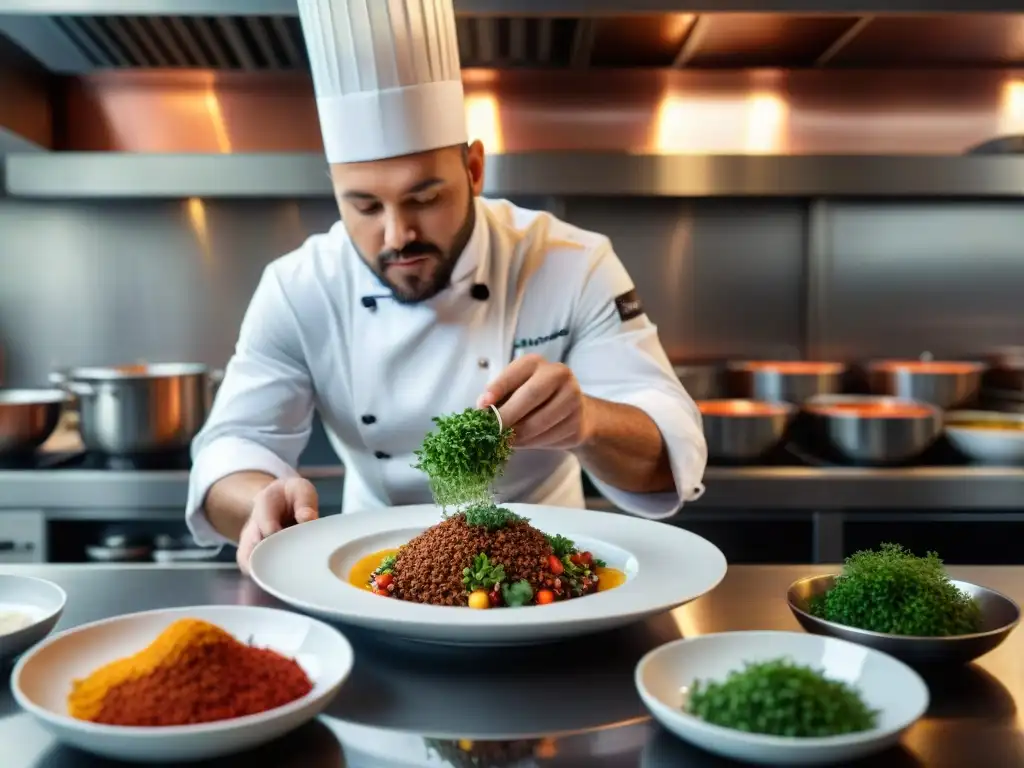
140,409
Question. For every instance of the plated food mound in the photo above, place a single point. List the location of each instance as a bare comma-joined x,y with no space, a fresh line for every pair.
487,557
895,592
781,698
194,672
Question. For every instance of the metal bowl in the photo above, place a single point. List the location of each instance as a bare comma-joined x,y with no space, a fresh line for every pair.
701,382
28,417
999,617
744,430
784,382
988,437
945,384
873,430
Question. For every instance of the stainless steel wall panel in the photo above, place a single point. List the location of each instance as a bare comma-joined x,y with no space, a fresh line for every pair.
902,278
720,278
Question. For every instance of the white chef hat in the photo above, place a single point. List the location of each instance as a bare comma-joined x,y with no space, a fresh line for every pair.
386,75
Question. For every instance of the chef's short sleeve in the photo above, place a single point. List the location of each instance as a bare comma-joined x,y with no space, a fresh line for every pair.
616,355
262,416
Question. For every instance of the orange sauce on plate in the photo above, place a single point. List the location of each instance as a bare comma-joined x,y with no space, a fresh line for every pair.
359,576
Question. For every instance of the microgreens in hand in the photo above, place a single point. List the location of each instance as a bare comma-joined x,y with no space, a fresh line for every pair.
463,455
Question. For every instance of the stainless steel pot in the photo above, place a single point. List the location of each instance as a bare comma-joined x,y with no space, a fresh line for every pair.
784,381
140,409
744,430
945,384
873,430
28,418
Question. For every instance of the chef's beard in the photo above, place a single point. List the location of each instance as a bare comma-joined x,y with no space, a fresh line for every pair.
415,289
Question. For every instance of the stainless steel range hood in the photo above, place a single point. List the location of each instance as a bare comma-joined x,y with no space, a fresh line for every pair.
171,98
76,36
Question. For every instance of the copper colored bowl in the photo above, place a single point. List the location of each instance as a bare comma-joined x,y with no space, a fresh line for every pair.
785,381
744,430
945,384
873,430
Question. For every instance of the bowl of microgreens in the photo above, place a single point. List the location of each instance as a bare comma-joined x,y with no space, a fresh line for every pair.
904,605
781,698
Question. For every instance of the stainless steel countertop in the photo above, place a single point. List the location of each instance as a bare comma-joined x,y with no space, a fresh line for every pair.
575,702
73,493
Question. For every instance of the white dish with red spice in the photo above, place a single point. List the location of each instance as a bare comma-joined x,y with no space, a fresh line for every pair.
307,567
42,680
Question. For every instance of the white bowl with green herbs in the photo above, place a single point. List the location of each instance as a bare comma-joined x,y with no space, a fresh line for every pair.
781,698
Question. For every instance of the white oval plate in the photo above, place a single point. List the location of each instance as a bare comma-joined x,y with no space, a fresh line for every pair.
307,566
42,601
42,679
885,684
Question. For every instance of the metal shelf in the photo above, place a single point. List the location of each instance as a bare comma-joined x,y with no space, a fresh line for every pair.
77,175
971,490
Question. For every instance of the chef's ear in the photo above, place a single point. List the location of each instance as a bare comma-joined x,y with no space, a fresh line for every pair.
474,156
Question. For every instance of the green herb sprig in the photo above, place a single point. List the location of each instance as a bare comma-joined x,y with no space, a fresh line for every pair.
560,545
483,574
895,592
463,455
517,594
387,565
781,698
491,516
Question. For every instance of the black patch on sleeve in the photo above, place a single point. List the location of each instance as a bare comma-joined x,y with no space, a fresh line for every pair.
629,305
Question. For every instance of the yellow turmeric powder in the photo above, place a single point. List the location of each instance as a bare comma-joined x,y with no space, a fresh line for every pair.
86,698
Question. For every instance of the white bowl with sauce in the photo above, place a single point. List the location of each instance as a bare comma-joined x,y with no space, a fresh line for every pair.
894,690
29,610
987,436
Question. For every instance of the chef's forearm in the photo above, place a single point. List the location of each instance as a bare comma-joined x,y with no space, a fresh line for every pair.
229,501
625,449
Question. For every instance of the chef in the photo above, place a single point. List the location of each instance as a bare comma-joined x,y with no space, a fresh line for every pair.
425,299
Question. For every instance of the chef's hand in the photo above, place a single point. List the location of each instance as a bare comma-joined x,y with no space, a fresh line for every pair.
281,504
543,402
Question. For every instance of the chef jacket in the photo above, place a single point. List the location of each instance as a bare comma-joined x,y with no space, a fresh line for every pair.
322,332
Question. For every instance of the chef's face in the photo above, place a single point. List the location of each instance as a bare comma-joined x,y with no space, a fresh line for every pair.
410,217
